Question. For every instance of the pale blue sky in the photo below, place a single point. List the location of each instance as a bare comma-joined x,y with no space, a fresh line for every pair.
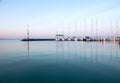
44,15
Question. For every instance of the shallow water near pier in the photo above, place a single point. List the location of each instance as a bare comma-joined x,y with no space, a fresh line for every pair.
59,62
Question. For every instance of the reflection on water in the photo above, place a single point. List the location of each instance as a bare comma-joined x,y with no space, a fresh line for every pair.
28,47
88,51
59,62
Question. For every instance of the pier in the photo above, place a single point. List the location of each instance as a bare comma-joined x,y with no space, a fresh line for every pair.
75,39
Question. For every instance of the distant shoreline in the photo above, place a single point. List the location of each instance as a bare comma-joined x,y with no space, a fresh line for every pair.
8,39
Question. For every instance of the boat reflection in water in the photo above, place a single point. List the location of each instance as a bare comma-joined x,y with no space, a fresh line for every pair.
89,51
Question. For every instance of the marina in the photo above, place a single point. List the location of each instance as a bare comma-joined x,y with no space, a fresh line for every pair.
59,41
96,37
98,31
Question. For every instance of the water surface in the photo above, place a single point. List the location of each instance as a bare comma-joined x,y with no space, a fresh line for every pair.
59,62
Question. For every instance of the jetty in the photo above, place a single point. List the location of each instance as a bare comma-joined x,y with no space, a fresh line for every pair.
38,40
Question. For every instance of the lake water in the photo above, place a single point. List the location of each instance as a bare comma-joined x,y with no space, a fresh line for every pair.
59,62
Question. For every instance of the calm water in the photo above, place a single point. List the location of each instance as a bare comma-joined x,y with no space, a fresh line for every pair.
59,62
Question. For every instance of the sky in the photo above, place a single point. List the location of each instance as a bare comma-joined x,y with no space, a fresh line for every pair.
46,18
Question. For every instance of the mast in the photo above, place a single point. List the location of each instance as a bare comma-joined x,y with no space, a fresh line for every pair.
111,28
85,28
63,32
57,28
116,28
91,26
28,32
69,32
103,32
96,29
80,28
57,33
75,31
